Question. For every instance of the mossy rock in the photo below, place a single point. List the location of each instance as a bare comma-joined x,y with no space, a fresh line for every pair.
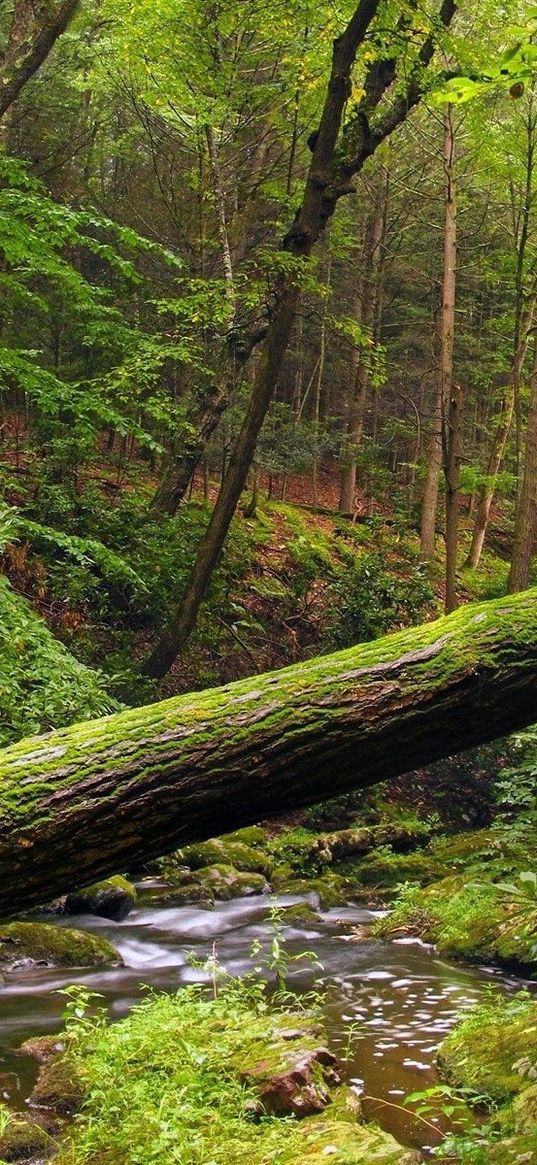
221,851
385,870
113,898
59,1087
191,894
518,1150
27,943
330,891
524,1109
337,1136
251,835
491,1050
223,882
281,874
300,915
24,1140
465,918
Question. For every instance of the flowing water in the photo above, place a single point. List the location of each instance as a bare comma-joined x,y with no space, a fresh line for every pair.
387,1007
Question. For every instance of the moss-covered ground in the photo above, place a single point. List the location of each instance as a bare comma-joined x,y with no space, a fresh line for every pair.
491,1058
190,1080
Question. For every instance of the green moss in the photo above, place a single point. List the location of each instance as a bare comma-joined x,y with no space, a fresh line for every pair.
113,898
23,1140
330,890
302,914
252,835
59,1087
224,882
220,851
434,653
494,1048
183,1077
57,946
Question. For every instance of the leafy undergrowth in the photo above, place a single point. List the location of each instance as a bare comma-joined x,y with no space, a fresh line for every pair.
41,685
492,1056
291,583
186,1079
485,909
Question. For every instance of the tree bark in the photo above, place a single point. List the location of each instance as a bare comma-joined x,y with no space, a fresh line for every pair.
447,333
526,512
365,311
452,473
35,28
84,802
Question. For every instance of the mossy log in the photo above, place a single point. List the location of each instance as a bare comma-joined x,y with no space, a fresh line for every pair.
84,802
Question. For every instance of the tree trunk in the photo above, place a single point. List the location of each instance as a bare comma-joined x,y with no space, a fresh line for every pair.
365,315
452,471
35,28
447,325
526,512
84,802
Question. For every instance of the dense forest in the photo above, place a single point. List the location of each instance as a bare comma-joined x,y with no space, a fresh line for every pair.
268,524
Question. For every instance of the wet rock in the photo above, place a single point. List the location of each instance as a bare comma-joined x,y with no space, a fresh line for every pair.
224,882
114,898
227,852
292,1081
27,944
58,1087
328,891
302,914
24,1140
43,1048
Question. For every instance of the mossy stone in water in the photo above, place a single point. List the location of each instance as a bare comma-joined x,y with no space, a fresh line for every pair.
223,851
113,898
330,890
24,943
59,1088
224,882
23,1140
300,915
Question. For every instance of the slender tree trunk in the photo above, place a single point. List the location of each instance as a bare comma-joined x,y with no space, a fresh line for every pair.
35,28
486,493
447,323
452,470
318,384
168,647
88,801
526,513
366,315
220,201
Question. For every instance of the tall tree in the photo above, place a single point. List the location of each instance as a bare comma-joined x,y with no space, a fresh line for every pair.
444,377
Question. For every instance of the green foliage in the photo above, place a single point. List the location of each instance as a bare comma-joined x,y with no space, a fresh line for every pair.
368,599
41,685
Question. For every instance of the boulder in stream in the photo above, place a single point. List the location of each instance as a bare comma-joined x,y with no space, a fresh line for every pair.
26,944
114,898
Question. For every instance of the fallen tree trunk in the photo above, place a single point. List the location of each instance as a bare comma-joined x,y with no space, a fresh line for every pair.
84,802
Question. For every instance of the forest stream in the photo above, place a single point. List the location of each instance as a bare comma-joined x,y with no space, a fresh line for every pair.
387,1007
